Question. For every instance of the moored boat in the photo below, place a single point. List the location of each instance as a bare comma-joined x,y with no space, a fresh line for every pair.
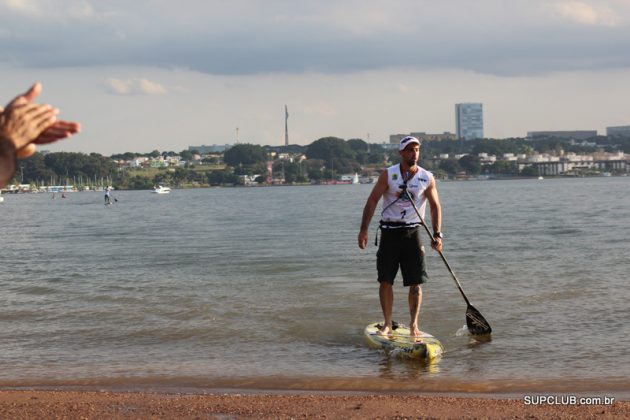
159,189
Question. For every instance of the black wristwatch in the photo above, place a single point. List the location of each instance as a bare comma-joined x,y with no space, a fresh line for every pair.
438,234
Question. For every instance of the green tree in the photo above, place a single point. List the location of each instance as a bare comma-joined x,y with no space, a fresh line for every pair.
471,164
124,156
245,154
450,166
503,167
222,177
358,145
293,171
376,155
139,183
529,171
73,165
35,170
186,155
328,148
345,166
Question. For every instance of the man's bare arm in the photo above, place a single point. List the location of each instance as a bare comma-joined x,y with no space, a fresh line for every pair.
436,212
370,206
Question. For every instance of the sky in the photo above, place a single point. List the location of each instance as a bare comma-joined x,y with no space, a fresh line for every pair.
154,74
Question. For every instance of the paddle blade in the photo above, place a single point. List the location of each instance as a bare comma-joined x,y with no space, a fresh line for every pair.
477,324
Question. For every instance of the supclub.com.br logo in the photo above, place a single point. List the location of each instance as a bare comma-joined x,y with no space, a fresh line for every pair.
567,400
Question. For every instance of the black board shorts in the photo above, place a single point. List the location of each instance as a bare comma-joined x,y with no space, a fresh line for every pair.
401,248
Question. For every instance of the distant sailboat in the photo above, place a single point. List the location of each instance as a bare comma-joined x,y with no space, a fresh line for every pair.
355,179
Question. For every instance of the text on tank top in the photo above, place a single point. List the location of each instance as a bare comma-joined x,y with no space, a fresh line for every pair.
398,209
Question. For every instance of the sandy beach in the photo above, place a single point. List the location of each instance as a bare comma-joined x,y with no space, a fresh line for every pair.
26,404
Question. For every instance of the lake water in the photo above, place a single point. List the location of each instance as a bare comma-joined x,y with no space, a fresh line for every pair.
266,288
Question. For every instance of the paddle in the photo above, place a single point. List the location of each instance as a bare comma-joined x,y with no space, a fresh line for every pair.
477,324
112,196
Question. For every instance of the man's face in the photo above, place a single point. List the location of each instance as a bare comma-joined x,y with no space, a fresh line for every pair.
410,154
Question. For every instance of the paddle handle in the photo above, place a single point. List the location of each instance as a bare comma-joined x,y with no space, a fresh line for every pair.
448,266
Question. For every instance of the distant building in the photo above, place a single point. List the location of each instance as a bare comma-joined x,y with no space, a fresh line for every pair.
422,136
469,121
573,164
569,135
619,131
437,137
396,138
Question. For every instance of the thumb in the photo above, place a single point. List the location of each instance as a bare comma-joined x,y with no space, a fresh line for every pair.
33,92
29,95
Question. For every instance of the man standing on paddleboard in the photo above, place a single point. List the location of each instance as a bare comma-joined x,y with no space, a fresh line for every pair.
400,226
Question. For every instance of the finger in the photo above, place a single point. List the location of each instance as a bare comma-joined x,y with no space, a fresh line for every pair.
36,111
33,92
70,126
26,151
46,138
64,127
45,121
33,112
27,96
57,132
41,116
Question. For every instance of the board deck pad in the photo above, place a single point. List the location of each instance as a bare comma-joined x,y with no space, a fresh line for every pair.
402,344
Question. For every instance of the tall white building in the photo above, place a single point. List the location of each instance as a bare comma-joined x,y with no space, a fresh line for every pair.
469,121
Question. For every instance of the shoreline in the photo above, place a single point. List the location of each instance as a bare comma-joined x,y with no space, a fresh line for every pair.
23,404
466,179
618,386
493,388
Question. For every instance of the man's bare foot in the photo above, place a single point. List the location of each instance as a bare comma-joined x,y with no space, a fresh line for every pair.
385,331
414,331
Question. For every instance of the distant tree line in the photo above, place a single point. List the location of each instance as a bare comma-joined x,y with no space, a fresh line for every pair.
65,168
326,158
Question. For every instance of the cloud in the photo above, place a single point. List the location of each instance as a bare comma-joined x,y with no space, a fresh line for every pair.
585,14
81,9
134,87
243,37
25,7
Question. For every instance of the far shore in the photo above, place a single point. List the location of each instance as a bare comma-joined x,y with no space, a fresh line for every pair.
29,404
305,184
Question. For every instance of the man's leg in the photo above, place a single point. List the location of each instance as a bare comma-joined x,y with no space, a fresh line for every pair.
386,295
415,300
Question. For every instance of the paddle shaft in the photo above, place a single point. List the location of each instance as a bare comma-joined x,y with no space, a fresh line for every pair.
448,266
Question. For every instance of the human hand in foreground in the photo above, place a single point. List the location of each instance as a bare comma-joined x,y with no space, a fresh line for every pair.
24,124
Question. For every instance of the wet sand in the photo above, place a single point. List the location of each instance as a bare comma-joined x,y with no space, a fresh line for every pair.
26,404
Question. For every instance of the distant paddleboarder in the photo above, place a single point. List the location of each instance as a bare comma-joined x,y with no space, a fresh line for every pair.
108,195
400,239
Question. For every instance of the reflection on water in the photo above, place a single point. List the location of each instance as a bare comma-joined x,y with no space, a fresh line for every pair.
391,362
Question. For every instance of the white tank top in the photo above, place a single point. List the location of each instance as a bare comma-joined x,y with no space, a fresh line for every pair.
397,210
